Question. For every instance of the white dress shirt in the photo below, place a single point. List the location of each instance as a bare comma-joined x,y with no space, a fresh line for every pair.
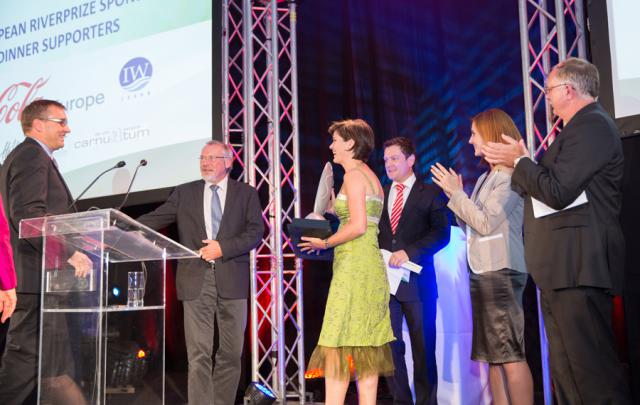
408,184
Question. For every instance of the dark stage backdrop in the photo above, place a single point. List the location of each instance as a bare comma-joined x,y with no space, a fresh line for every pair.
419,69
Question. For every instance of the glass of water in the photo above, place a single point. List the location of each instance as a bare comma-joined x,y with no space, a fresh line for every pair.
135,292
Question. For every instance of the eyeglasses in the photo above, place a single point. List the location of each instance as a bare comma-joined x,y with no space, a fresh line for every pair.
212,158
547,90
62,121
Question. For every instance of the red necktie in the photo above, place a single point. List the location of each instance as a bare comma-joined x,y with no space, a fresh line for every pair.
396,211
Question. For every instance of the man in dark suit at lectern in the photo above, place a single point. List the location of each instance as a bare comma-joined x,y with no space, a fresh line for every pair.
414,226
222,219
31,187
575,252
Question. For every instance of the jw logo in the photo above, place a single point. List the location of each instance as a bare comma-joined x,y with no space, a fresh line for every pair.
135,74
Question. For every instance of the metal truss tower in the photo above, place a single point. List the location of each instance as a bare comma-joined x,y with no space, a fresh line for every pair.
550,32
260,118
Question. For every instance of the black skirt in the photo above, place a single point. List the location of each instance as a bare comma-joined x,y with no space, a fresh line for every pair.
498,317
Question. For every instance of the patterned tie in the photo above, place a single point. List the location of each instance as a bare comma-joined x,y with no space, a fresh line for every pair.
396,211
216,211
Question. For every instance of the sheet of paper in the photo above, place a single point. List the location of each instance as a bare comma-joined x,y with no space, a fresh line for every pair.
411,266
395,278
395,275
540,209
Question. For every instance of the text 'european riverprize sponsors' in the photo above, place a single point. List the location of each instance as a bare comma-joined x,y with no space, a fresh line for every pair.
52,26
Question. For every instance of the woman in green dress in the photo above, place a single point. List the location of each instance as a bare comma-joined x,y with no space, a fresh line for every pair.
356,330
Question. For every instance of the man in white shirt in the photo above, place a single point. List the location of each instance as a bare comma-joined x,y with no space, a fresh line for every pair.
32,187
222,219
414,226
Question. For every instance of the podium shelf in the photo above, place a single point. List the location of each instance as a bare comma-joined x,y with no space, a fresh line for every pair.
114,308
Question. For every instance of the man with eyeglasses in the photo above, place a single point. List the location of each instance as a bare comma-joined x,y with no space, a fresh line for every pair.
31,186
222,219
575,255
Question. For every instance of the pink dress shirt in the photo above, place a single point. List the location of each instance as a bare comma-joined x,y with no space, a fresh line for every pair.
7,270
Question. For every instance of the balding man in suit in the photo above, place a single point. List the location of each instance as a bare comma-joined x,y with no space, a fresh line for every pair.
575,255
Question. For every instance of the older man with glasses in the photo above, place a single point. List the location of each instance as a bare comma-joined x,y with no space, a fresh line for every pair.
574,247
222,219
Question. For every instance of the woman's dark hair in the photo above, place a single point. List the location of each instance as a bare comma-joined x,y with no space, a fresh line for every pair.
360,132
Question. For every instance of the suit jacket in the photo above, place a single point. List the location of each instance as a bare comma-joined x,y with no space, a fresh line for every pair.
423,230
492,221
241,229
31,186
7,270
584,245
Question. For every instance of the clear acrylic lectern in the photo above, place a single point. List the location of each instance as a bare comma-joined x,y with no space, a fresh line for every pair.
101,333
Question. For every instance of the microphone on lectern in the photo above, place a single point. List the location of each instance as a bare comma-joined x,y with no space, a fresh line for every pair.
118,165
143,162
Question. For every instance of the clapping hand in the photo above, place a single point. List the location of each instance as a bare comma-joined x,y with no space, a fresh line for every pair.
448,180
506,153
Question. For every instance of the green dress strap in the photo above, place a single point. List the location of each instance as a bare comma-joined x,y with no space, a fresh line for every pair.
374,192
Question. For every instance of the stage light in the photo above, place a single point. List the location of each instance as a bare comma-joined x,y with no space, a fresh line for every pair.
115,291
258,394
127,363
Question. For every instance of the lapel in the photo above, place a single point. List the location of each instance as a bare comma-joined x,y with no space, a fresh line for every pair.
385,205
228,206
475,197
198,196
64,183
45,155
384,218
548,158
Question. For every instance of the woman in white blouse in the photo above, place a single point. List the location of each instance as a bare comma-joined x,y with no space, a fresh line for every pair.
492,220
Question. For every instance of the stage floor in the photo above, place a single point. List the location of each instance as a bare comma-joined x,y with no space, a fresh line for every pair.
176,393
